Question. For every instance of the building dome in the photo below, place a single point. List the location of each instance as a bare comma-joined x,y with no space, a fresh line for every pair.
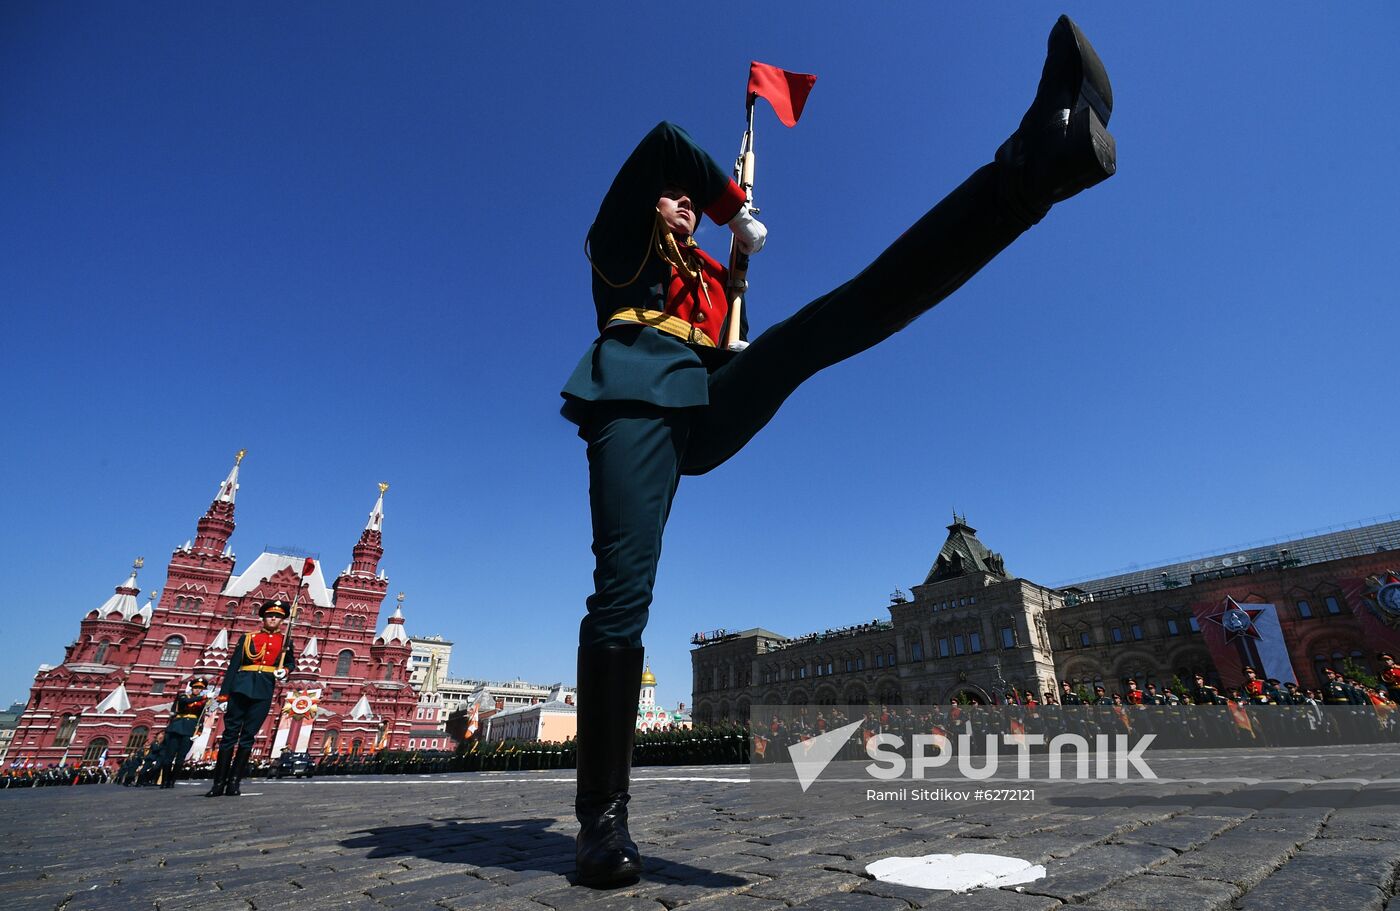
648,679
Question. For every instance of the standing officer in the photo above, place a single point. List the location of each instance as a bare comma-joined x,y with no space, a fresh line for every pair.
259,661
186,721
656,396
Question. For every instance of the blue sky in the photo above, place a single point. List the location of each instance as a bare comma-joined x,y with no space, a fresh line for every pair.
349,238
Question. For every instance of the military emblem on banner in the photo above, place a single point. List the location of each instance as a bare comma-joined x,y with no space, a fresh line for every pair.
1384,592
301,702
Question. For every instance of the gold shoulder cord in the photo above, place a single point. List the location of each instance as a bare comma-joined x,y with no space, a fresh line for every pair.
651,243
663,241
248,650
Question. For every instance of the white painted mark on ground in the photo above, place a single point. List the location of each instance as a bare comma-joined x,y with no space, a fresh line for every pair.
956,872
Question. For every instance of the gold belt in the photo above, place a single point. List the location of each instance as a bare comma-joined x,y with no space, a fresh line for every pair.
259,667
671,325
186,716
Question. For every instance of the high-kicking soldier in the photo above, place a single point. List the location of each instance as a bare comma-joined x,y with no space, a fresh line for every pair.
658,395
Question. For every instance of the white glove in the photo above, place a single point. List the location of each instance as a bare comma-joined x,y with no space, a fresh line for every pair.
280,673
749,231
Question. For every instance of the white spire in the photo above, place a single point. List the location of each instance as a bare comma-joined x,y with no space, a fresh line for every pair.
393,629
143,616
376,515
215,654
310,658
116,701
123,600
362,711
229,489
430,680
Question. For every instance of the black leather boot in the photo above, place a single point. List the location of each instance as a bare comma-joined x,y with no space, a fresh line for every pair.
221,770
609,684
240,768
1062,145
173,773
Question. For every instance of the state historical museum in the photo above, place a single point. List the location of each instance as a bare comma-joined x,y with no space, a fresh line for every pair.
113,692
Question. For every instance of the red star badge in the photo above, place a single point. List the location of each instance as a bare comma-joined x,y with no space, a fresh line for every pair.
1237,621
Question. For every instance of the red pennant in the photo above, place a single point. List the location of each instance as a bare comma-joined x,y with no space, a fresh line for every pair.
787,92
308,567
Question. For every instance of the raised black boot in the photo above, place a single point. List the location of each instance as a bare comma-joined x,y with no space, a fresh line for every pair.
1062,145
609,684
240,768
221,770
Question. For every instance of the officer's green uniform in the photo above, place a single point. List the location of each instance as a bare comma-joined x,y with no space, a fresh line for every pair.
656,395
180,733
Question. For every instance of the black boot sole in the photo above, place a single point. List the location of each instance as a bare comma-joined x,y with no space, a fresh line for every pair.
1095,91
1095,153
609,879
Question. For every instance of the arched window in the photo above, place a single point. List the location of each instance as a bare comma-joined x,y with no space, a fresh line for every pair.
331,737
389,670
170,655
342,664
355,745
66,730
137,741
95,748
102,648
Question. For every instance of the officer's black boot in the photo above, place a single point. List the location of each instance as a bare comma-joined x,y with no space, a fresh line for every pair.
167,776
221,772
1062,145
173,773
609,683
240,768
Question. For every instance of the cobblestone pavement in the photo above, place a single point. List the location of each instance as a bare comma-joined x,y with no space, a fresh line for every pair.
1313,830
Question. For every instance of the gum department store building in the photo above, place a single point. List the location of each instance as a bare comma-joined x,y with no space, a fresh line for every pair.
972,629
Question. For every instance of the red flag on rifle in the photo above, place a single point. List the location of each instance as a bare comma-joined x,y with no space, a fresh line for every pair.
787,92
308,567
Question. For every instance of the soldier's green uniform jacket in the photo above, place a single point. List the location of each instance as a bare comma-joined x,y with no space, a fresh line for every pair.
1205,694
1335,692
185,718
632,362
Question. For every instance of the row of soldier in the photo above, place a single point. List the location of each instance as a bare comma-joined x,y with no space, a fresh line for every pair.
1260,712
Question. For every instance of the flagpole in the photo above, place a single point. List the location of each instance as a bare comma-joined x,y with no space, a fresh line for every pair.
308,567
739,260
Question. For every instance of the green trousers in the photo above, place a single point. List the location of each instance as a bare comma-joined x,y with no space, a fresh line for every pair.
637,452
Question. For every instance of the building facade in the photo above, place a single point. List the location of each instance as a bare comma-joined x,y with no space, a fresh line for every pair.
114,689
552,720
428,651
973,631
652,717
